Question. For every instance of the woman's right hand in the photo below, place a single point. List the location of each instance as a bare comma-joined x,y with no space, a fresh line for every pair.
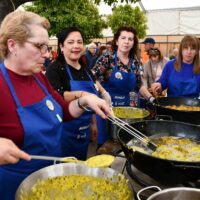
98,105
10,153
156,88
106,96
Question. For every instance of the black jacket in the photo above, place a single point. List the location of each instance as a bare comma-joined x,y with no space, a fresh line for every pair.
59,78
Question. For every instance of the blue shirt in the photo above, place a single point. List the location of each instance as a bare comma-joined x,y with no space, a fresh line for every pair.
177,81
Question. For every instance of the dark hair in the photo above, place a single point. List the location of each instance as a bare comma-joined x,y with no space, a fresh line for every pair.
149,40
189,41
155,51
62,35
134,49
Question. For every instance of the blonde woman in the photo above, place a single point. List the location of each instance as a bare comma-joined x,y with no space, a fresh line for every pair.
31,111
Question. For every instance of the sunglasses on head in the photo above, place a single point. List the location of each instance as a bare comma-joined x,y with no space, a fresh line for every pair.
154,51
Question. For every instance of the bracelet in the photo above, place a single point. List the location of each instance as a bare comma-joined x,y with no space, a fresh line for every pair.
79,105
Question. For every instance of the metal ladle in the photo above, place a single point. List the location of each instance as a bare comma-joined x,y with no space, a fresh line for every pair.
95,161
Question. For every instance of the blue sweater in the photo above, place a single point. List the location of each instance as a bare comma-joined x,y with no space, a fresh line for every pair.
183,83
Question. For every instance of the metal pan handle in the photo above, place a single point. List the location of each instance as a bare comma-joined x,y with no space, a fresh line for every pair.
147,188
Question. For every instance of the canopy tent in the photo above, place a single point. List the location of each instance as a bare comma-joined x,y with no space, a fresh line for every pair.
172,17
168,4
167,17
173,22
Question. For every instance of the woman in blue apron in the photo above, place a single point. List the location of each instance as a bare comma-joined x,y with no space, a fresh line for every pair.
72,79
76,133
31,111
120,73
181,77
42,118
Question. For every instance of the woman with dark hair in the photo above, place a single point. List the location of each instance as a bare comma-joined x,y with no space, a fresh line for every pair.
153,68
73,79
181,76
120,72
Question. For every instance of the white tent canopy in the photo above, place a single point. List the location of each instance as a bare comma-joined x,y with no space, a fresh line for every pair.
168,4
173,22
167,17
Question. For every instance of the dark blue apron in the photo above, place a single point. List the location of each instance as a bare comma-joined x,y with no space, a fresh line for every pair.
179,86
76,133
119,85
42,134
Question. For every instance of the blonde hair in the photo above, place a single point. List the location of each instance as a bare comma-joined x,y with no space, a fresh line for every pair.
16,26
189,41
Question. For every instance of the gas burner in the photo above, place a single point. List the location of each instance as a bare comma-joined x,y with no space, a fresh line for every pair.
141,180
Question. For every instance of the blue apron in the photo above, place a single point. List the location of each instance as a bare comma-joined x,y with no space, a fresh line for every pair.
76,133
179,86
119,85
42,134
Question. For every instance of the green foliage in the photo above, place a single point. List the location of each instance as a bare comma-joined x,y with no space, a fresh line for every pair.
128,16
61,13
110,2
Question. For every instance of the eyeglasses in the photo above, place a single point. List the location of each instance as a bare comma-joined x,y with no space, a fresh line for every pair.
42,47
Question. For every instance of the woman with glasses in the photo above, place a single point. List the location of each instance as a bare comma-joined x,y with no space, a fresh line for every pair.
31,111
181,76
153,68
120,73
72,78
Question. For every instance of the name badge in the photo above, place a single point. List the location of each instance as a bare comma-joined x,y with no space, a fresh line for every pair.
118,75
50,105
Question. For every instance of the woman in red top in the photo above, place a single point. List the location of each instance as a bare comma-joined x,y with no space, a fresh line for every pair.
31,111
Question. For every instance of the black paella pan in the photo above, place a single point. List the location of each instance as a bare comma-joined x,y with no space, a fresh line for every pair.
163,170
178,115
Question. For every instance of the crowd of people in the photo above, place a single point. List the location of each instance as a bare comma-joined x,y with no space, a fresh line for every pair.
59,112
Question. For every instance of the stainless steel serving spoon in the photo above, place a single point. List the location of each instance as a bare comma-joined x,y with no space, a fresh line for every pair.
95,161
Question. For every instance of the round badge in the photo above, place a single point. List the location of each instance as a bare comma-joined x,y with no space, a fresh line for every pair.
118,75
49,105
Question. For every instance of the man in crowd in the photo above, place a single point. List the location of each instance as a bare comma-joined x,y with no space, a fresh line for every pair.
148,44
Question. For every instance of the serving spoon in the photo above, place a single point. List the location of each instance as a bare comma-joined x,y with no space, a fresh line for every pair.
103,160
